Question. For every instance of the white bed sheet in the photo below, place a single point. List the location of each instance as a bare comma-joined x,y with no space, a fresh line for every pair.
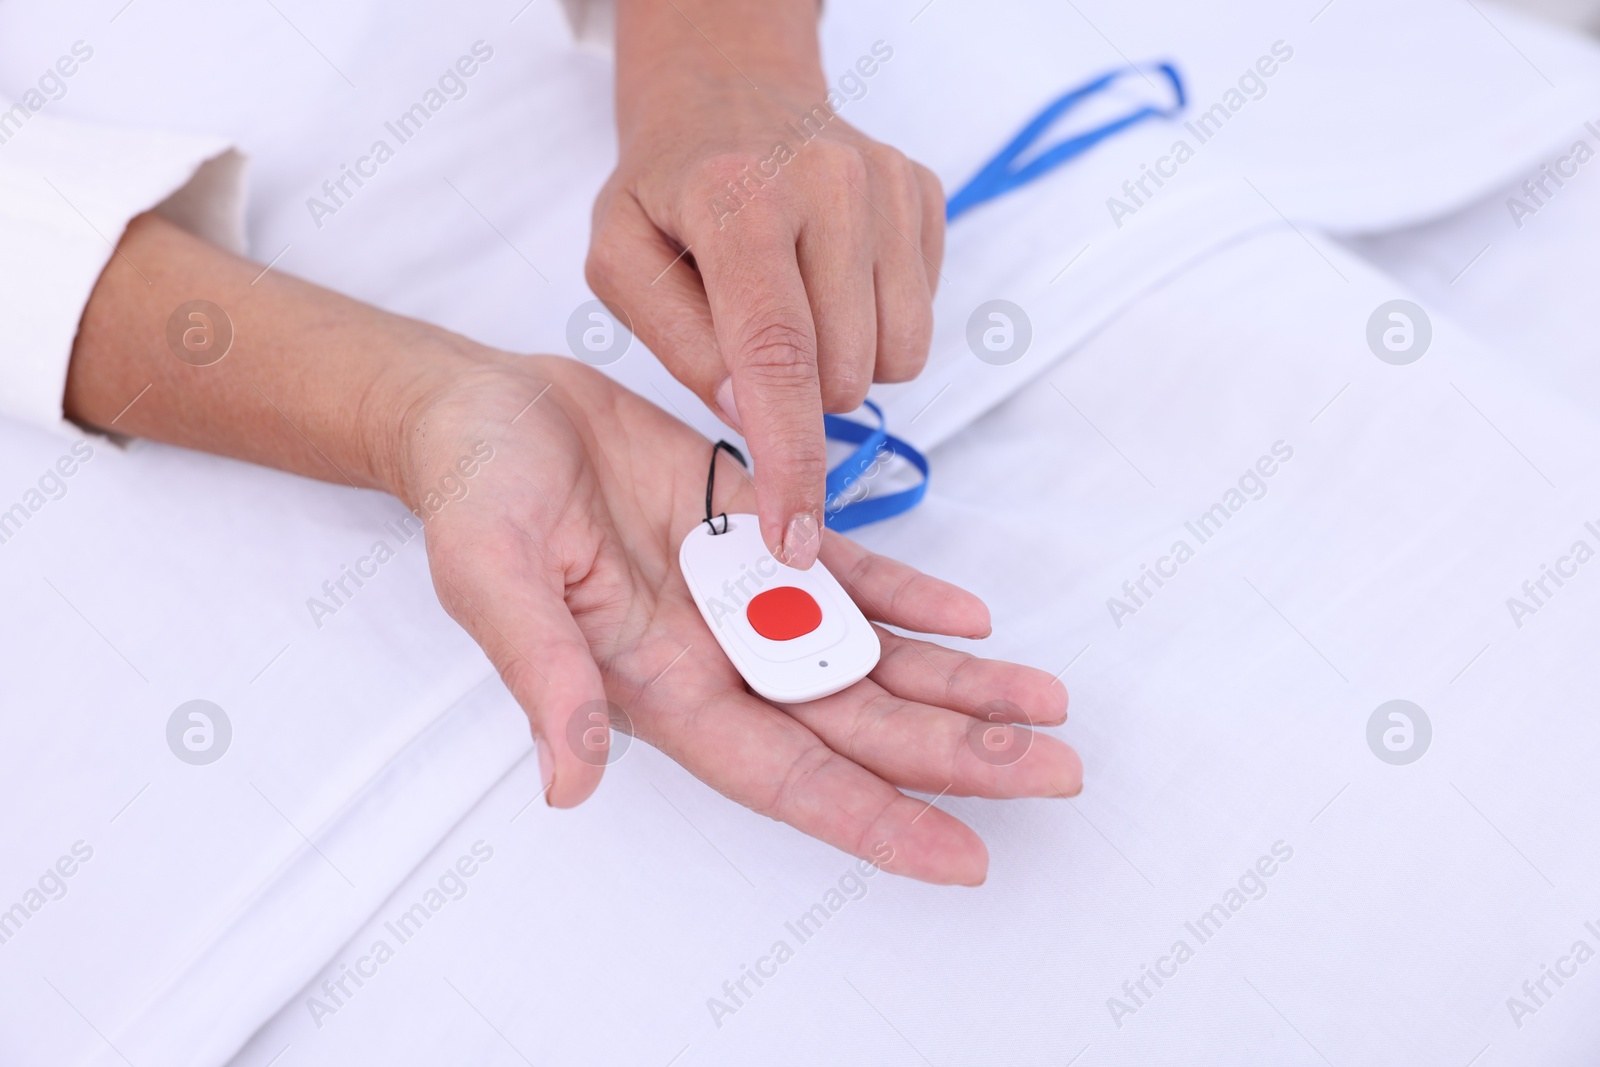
1225,719
1523,281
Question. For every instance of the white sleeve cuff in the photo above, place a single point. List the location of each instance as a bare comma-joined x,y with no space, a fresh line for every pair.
593,23
67,192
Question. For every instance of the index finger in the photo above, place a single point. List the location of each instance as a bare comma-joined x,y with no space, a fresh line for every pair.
764,327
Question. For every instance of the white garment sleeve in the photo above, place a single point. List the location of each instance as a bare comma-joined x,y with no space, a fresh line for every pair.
593,23
68,190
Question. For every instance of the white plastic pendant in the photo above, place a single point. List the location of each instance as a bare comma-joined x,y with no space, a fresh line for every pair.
793,635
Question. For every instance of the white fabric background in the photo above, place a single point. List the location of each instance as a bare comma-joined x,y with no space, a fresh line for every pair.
206,906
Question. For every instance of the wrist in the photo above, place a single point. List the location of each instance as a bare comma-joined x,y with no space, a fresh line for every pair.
396,407
671,50
681,99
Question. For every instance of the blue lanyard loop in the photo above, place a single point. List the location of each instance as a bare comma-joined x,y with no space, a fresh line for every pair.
874,447
997,176
846,506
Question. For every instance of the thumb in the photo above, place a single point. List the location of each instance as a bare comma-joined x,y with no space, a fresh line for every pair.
635,268
544,660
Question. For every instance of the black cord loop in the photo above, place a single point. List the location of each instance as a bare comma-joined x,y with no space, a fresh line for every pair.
711,483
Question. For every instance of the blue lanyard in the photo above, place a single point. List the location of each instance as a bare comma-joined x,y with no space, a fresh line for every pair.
846,508
875,447
998,177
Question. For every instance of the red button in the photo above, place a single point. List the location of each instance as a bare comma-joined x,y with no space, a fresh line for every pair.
784,613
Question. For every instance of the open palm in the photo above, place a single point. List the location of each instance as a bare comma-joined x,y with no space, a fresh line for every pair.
561,561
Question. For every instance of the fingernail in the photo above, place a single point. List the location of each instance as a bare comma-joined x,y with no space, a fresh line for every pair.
801,542
725,402
547,766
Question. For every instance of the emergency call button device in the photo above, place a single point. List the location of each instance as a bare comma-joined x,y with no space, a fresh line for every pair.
793,635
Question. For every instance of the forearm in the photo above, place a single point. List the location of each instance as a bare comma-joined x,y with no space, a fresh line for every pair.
665,47
314,382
